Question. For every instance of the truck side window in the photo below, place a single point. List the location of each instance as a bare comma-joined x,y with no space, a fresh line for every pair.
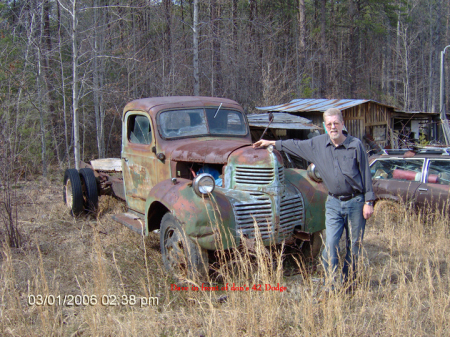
139,130
439,172
397,169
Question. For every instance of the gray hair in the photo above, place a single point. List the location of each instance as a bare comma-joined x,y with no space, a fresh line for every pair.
333,112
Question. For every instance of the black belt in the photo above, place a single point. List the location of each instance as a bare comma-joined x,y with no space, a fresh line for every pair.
344,197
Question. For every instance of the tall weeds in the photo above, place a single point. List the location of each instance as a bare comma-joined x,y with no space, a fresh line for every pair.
403,288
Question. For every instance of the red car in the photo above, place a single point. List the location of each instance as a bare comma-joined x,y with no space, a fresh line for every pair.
417,178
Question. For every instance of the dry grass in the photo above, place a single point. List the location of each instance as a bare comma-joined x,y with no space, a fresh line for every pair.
404,288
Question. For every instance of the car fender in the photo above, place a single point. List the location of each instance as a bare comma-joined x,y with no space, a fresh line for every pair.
202,219
314,196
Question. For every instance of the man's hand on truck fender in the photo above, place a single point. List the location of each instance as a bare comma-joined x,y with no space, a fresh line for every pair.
263,143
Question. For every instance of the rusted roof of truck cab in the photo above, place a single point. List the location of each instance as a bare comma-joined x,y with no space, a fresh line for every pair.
168,102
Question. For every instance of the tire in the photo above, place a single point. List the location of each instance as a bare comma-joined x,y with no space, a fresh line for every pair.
72,192
311,249
181,256
89,189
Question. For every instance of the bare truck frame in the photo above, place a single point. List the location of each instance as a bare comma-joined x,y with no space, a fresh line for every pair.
187,168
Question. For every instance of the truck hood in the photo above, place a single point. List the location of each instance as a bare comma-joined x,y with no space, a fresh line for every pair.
207,151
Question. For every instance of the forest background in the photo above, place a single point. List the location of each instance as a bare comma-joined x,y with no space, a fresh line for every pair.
68,67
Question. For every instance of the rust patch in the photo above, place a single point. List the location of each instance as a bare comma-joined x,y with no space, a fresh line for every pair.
255,157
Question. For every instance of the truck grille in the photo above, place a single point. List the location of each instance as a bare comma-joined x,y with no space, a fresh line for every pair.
258,176
291,215
254,175
281,174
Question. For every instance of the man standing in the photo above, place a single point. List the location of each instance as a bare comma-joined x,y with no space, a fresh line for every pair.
342,163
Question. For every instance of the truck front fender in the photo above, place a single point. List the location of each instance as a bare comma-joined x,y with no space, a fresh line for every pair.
314,196
208,220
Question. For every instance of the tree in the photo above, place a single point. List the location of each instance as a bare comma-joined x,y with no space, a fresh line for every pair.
195,56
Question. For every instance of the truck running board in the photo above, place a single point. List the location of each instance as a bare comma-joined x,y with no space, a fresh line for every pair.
130,220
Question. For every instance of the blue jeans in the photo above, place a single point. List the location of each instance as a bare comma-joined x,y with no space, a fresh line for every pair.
342,215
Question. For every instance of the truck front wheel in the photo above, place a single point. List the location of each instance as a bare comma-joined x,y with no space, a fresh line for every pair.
311,249
181,256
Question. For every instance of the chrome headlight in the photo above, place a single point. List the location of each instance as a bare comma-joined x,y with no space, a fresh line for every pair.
203,184
313,173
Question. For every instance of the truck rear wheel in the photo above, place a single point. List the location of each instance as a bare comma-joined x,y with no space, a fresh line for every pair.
181,256
89,189
72,192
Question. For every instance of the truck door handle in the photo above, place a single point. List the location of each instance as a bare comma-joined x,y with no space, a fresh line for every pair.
423,189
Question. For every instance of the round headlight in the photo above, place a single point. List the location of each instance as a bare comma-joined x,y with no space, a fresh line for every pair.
203,184
313,173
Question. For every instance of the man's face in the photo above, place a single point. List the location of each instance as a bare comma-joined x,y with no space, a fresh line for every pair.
334,126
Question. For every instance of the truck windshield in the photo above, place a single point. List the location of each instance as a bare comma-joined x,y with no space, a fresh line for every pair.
201,122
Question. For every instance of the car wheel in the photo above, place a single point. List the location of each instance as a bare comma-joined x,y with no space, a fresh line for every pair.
72,192
311,249
181,256
387,210
89,188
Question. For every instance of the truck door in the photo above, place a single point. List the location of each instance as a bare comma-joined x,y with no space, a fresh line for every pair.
138,160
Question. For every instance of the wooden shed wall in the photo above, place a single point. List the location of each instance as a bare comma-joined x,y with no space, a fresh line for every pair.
315,116
368,118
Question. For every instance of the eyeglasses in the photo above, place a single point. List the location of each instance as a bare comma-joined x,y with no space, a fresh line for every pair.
333,124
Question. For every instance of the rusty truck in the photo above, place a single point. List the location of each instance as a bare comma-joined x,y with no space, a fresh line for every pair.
188,169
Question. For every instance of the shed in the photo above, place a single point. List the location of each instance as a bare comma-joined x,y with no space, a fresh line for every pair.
413,124
361,116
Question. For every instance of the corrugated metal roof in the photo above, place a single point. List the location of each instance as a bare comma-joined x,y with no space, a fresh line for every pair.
317,104
281,120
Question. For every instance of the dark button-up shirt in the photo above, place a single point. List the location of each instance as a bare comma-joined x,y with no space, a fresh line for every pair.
344,169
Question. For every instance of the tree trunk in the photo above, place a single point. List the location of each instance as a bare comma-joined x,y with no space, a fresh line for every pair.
40,100
406,89
195,56
323,49
397,55
353,62
301,42
75,97
168,58
217,65
234,49
96,74
63,86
